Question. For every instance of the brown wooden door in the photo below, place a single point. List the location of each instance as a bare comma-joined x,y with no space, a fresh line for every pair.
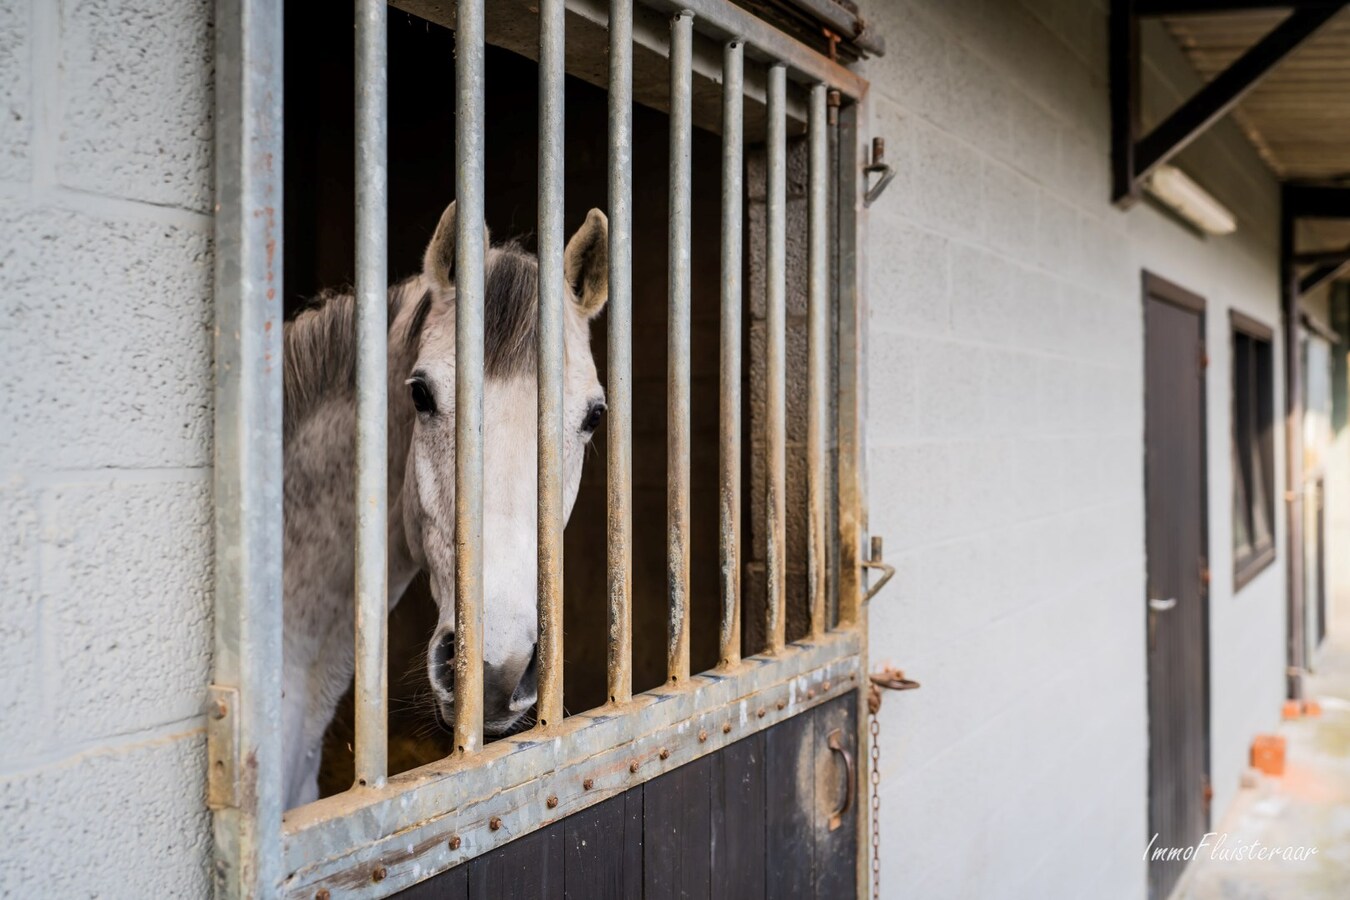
1176,601
752,821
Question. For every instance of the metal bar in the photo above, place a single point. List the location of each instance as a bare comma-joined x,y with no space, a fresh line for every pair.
409,829
248,454
725,21
775,443
1123,66
817,312
372,396
1221,94
833,101
729,406
619,328
552,298
677,356
852,523
850,26
469,263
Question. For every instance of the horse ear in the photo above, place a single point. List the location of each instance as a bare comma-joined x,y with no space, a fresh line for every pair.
438,263
586,263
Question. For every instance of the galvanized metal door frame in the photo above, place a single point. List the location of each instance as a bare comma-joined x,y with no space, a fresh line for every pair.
360,843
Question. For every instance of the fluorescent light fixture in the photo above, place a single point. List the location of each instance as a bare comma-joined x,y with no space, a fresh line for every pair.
1174,188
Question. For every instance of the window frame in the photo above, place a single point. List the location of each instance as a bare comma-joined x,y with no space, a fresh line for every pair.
1252,448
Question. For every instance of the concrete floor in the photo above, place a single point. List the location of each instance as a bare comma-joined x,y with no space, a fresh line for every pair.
1308,807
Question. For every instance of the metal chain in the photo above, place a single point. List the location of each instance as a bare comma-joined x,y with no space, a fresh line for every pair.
876,807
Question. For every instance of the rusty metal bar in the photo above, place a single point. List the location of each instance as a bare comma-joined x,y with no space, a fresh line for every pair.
619,328
817,348
677,357
552,298
852,516
246,737
372,396
470,253
775,442
729,407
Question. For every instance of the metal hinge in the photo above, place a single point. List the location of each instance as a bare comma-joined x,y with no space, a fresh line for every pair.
222,747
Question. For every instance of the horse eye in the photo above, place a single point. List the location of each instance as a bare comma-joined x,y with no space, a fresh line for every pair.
593,417
421,396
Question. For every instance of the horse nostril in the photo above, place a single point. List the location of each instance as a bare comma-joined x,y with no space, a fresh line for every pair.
443,662
525,693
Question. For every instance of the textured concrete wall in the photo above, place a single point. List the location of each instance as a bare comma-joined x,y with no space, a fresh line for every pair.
1006,441
105,447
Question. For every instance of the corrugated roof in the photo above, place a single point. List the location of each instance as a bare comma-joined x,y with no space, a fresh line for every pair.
1299,116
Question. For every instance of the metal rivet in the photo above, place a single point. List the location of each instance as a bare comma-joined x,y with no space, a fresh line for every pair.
379,873
782,704
552,802
588,783
633,766
726,729
495,823
702,736
760,712
220,710
825,686
665,754
322,894
811,694
454,842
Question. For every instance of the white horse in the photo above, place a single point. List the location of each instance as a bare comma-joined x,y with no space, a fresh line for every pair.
320,417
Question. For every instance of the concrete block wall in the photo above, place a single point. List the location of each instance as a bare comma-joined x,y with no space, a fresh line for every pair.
1005,450
105,445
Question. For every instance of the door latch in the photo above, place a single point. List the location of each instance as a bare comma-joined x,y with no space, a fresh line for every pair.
885,174
875,562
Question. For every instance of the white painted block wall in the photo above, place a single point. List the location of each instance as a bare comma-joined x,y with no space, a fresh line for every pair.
1005,433
105,446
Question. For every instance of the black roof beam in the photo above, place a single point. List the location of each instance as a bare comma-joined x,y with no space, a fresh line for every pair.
1215,99
1317,201
1321,275
1210,7
1134,158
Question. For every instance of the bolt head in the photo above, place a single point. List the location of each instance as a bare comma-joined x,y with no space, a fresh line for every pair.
588,783
495,823
702,736
726,729
633,766
455,842
782,704
825,686
322,894
665,754
552,802
760,712
379,873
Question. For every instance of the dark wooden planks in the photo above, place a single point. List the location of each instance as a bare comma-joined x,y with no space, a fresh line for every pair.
738,790
837,774
677,833
449,885
790,780
602,849
530,866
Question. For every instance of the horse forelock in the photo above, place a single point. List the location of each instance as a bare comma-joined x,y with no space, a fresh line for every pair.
320,342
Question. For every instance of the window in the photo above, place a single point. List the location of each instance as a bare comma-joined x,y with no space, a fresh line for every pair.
1253,449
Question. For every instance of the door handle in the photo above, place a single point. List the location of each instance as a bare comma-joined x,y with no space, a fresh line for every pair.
1158,605
836,743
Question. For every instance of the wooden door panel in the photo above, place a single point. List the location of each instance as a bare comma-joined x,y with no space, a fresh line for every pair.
748,822
738,797
1177,547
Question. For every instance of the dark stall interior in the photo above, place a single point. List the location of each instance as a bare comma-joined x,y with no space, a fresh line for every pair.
319,238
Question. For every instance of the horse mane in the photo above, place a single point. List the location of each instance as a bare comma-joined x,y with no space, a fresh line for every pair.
320,342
